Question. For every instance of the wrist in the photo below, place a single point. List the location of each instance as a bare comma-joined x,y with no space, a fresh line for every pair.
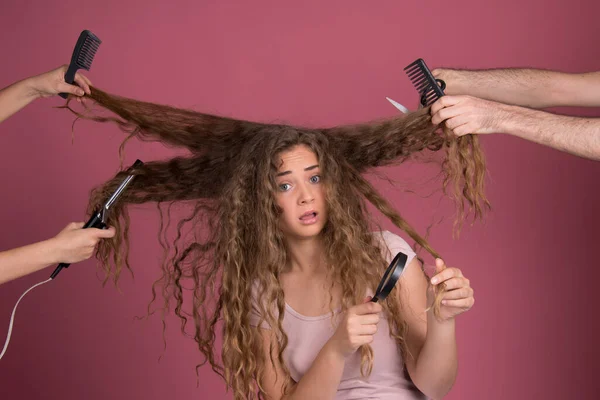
502,118
437,325
456,83
52,251
30,89
513,118
331,351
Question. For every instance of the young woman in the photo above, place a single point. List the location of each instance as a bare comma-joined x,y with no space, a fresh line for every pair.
322,356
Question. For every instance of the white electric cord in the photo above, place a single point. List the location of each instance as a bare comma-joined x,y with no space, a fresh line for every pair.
12,317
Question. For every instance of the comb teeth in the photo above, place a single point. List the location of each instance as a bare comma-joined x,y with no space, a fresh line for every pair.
87,51
425,83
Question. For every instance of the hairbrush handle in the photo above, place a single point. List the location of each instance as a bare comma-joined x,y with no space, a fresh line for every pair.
95,221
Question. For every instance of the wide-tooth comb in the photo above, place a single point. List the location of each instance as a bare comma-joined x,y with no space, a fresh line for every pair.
429,88
83,55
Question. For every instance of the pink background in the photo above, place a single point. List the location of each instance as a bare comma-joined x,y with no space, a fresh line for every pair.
532,332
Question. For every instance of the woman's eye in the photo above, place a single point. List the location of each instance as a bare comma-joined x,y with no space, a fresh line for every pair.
284,187
315,179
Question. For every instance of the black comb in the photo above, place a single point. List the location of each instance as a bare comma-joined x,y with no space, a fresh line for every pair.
83,55
429,88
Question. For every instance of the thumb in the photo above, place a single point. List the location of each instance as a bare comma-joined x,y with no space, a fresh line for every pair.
439,265
452,100
64,87
104,233
75,225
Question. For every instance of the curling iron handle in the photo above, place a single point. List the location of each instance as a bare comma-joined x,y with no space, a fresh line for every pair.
95,221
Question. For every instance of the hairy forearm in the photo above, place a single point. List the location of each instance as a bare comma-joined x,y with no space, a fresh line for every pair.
322,379
25,260
437,363
524,87
575,135
14,97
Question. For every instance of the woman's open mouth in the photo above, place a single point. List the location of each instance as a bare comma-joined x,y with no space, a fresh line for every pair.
309,217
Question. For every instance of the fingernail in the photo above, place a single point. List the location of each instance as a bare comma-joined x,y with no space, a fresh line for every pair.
434,280
443,301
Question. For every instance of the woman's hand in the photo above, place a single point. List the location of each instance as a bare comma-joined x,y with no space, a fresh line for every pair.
74,244
53,82
458,295
356,328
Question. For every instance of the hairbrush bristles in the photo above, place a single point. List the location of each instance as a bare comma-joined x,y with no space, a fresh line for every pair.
429,88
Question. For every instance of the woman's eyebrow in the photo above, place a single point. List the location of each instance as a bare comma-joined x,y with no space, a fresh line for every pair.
306,169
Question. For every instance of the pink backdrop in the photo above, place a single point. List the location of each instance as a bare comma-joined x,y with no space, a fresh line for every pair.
533,265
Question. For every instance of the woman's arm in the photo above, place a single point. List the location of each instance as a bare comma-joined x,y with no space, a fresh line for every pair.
71,245
16,96
321,381
432,363
356,328
432,360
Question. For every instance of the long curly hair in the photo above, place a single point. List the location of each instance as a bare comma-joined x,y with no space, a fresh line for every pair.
233,242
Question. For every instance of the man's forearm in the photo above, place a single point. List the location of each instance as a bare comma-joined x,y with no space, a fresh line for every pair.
14,97
524,87
578,136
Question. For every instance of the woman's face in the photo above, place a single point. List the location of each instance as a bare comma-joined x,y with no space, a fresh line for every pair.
300,193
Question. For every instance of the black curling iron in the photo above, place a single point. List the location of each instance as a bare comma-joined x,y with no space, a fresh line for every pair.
100,217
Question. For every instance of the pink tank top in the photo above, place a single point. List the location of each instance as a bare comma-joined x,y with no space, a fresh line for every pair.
307,335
